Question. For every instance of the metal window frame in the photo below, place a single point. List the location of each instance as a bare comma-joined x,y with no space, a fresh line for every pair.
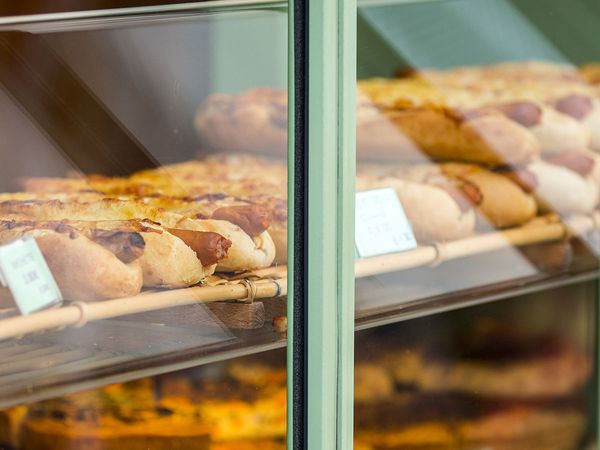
322,70
321,150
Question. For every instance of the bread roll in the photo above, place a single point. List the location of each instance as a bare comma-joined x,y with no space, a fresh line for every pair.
83,269
434,213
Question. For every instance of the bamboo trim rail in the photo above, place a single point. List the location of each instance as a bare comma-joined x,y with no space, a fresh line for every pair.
444,251
78,314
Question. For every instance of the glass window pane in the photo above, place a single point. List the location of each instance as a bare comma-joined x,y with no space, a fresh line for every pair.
239,404
9,9
477,156
130,154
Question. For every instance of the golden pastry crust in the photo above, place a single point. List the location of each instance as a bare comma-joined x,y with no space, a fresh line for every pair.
469,114
244,253
388,126
499,202
453,219
422,133
529,108
548,87
424,436
508,428
562,190
372,382
503,204
591,73
522,428
10,425
109,433
115,417
250,444
560,371
83,269
255,120
247,192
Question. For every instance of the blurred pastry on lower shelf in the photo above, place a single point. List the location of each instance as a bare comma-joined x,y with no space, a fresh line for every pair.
496,361
411,421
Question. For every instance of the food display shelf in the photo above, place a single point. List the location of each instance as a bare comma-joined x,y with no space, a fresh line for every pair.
80,345
380,316
272,283
44,366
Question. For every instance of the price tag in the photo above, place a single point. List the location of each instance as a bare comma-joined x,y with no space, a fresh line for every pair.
381,224
24,270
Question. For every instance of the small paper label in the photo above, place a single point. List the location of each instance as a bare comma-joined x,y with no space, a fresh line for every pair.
24,270
381,224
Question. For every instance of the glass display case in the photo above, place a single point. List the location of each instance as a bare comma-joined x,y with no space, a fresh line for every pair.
104,165
243,224
478,116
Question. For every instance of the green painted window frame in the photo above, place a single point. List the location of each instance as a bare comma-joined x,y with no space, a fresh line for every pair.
328,290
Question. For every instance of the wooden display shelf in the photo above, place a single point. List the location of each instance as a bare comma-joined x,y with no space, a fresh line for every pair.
272,282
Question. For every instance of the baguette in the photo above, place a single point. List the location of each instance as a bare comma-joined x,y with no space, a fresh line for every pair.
245,252
454,217
501,204
556,132
255,120
386,129
557,188
85,268
418,134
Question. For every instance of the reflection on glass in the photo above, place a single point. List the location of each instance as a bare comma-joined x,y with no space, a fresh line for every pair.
484,118
482,378
119,156
491,144
238,405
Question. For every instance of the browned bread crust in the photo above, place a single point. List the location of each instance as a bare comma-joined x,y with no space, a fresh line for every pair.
245,252
244,122
85,269
499,366
50,434
417,134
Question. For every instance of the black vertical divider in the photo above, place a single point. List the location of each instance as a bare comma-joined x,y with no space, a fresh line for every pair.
300,403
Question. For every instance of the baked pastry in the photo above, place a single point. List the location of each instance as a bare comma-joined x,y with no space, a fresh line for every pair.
238,412
499,202
454,216
492,115
10,425
555,131
250,444
590,72
424,436
250,121
238,251
246,403
534,92
415,421
372,382
558,188
253,120
106,261
117,417
521,428
494,363
248,192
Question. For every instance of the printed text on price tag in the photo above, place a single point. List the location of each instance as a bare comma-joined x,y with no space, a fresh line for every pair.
24,270
381,224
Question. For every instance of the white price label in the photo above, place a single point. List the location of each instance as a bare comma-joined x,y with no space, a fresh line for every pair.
381,224
24,270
